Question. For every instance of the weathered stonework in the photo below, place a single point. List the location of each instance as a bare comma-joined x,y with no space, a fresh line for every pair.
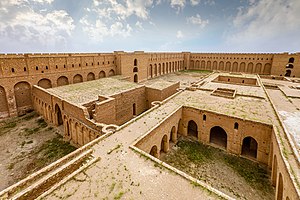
95,106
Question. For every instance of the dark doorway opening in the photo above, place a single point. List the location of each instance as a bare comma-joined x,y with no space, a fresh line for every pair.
218,136
192,129
249,147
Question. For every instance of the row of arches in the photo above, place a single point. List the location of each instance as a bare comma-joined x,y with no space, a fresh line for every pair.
258,68
74,131
167,140
22,94
164,68
78,78
218,137
22,91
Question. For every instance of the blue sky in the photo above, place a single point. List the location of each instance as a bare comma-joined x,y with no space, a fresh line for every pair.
149,25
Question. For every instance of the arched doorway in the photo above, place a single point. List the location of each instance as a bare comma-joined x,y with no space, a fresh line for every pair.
192,129
258,68
242,67
267,69
250,68
173,135
228,66
164,144
235,67
218,136
58,115
280,188
221,66
102,74
135,78
77,78
22,92
62,81
153,151
249,147
3,102
90,76
151,71
45,83
111,72
202,64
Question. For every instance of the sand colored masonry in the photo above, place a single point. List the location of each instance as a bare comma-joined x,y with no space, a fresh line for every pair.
248,106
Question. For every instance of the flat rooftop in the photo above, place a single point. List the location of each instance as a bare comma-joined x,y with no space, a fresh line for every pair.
159,84
85,92
125,171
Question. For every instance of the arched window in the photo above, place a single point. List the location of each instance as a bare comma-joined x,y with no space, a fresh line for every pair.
204,117
236,125
25,69
291,60
135,62
36,68
135,69
12,70
46,67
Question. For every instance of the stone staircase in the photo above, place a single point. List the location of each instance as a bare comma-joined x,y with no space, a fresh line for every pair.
51,176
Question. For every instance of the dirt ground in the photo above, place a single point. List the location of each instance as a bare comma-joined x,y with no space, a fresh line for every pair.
27,144
239,178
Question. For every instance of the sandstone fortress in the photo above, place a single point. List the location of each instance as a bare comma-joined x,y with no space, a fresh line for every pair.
242,107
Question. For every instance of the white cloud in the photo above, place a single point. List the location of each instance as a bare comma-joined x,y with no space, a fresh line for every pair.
21,23
197,20
43,1
123,10
266,22
179,34
195,2
179,4
100,30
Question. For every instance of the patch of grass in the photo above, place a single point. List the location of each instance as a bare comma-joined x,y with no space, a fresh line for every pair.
30,131
119,196
29,116
11,166
26,142
54,149
7,126
195,151
252,172
191,155
41,122
115,148
112,187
